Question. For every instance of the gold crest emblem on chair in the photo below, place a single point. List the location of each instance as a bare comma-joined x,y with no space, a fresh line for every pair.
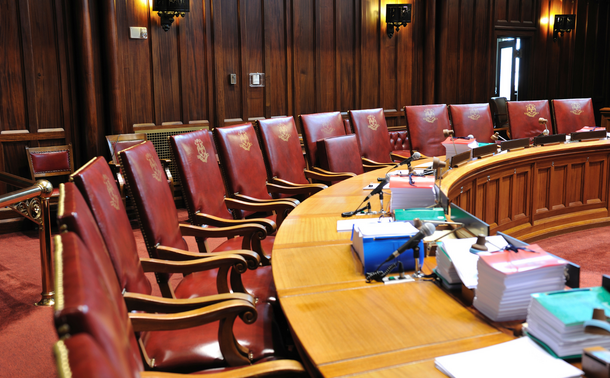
474,114
157,174
429,116
327,128
373,125
202,154
531,110
284,134
245,141
576,109
114,198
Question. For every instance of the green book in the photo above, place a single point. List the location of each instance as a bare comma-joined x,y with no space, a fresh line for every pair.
573,307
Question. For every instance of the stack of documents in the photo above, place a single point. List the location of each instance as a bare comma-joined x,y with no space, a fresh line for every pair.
508,279
454,257
406,194
516,358
445,269
556,319
455,146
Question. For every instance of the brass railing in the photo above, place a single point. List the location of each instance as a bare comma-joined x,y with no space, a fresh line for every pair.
33,203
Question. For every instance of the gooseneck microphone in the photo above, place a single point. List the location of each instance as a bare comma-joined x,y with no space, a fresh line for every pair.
377,190
427,229
415,156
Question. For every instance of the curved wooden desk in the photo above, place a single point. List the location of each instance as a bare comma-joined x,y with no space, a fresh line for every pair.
346,326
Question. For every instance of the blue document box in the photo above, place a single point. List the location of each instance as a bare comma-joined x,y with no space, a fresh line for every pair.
373,250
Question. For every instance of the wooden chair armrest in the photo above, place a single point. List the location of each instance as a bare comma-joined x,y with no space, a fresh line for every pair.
281,207
328,176
224,312
293,190
281,368
153,303
397,157
217,260
375,163
211,220
175,254
315,187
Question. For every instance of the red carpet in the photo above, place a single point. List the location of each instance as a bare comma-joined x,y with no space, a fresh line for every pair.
27,333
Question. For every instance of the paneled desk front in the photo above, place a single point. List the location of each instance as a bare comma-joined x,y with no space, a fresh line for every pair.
345,326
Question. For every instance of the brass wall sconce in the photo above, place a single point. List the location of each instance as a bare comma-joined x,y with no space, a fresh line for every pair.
397,15
564,23
168,9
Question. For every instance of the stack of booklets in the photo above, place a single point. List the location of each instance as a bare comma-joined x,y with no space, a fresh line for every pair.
455,146
446,270
406,194
507,280
556,319
516,358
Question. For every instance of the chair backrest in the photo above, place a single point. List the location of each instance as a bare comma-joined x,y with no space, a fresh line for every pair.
282,149
372,134
472,119
119,142
523,118
86,303
426,124
340,154
242,159
399,140
572,114
202,184
156,210
80,356
347,126
97,188
319,126
498,109
50,161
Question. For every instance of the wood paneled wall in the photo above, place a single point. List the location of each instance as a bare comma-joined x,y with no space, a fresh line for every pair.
72,66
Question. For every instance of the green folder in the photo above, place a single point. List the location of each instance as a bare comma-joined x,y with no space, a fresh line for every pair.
425,214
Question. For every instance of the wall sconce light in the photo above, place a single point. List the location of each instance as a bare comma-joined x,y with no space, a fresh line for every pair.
564,23
167,9
397,15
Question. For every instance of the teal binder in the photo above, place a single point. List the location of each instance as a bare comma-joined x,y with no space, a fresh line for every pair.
425,214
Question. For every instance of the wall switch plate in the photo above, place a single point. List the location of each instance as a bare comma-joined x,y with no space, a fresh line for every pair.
257,79
233,79
136,32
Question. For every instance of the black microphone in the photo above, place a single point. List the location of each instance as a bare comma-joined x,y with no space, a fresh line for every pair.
378,189
427,229
415,156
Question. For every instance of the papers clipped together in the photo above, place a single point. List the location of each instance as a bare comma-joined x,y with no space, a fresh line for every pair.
420,192
374,242
516,358
508,279
557,320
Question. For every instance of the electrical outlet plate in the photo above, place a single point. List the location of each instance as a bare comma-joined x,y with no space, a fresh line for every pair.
136,32
233,79
257,79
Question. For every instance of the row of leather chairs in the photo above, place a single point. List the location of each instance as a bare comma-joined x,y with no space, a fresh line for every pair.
565,116
108,321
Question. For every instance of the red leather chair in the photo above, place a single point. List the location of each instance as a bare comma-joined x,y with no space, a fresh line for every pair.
46,162
244,167
205,195
80,356
284,157
472,119
89,304
340,154
572,114
373,139
426,124
523,118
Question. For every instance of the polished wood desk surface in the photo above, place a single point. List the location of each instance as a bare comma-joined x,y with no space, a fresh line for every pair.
346,326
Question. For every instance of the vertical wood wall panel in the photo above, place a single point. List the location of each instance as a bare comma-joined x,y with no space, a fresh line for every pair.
195,79
13,106
254,48
276,57
369,70
304,56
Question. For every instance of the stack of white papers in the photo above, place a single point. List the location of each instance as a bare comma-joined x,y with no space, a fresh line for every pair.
445,268
455,146
508,279
464,263
520,358
406,195
557,319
